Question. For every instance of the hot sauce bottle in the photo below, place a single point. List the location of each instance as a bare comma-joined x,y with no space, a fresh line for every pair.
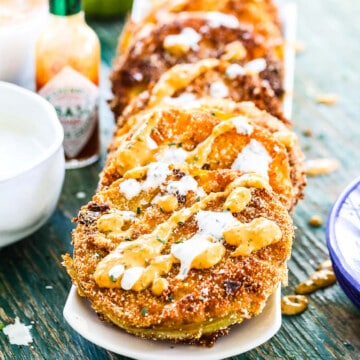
67,75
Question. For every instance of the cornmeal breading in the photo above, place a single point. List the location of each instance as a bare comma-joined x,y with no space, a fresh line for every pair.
187,38
261,15
208,138
199,301
183,84
189,231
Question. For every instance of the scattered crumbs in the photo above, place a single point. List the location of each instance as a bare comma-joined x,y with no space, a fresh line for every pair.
317,280
299,46
80,195
320,166
326,264
49,287
307,132
18,333
327,99
293,304
315,221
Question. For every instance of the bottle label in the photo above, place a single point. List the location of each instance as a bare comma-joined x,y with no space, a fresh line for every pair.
75,99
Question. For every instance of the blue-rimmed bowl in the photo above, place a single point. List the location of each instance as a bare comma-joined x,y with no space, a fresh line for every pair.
343,240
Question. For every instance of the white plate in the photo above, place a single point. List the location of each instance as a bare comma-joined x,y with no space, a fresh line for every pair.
244,337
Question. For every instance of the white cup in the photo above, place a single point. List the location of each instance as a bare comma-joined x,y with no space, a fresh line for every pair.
21,22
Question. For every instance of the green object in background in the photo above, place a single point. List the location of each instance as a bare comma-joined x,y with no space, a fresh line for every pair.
106,8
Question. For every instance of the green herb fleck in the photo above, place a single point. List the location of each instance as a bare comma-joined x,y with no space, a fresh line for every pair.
178,242
127,239
112,278
213,114
170,297
179,144
181,223
144,311
158,238
198,198
162,209
172,144
138,138
196,158
138,210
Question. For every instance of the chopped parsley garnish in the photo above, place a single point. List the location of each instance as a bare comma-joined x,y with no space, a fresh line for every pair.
213,114
112,278
158,238
127,239
172,144
180,223
144,311
161,209
179,144
198,198
138,210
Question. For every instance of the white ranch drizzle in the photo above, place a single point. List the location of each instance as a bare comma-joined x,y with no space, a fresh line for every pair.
253,158
213,223
216,19
218,90
188,38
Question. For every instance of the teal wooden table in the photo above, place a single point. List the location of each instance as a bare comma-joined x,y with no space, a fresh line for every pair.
34,285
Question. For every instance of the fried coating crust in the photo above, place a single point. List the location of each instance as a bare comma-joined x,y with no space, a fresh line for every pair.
191,128
261,15
146,58
201,307
196,79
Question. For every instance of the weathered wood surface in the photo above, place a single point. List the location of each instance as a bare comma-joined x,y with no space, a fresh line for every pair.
330,328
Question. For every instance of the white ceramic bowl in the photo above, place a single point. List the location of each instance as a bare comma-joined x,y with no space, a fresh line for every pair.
32,164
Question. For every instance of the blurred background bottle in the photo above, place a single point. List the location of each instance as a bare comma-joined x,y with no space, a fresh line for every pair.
67,75
106,9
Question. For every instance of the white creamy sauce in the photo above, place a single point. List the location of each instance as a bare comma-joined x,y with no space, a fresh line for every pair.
216,19
183,100
130,188
131,276
18,333
188,38
18,151
127,215
116,271
234,70
172,155
156,175
256,65
151,143
253,158
187,251
213,223
218,90
242,125
184,185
